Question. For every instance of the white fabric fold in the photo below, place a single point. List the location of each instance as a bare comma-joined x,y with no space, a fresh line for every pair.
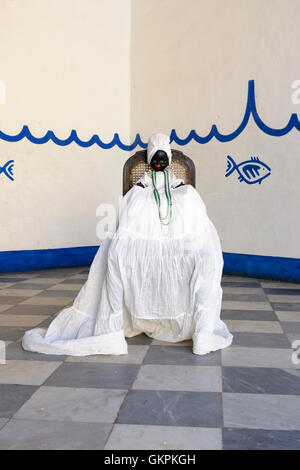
110,343
163,282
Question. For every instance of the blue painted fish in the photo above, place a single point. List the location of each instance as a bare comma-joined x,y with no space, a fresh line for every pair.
7,169
251,171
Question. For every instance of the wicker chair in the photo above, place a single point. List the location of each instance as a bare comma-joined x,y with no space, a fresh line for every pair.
181,166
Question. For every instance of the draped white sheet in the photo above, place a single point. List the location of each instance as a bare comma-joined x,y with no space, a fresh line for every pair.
163,282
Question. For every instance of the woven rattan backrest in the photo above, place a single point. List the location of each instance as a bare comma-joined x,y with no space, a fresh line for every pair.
181,166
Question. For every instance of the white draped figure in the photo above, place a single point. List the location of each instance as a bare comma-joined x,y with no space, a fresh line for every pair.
158,273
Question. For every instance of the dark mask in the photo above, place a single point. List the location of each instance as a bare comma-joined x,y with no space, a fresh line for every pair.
159,161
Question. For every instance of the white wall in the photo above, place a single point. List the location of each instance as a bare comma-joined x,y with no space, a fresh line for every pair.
191,62
66,66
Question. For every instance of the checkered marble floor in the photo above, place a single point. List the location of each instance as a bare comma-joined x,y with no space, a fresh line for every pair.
160,395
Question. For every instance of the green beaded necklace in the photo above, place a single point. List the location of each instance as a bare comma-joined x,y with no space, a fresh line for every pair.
168,196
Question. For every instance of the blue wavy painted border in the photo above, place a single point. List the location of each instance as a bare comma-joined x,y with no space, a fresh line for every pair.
214,133
238,264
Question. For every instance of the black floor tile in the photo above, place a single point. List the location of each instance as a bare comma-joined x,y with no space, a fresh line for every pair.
87,375
171,408
253,315
13,279
281,291
16,352
141,339
11,333
57,293
180,355
33,309
291,326
288,306
12,397
260,340
261,380
260,439
240,284
245,297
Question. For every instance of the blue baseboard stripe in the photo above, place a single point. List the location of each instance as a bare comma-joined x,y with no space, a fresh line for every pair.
238,264
264,267
27,260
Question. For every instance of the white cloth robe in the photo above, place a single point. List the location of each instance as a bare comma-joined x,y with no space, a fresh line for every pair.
163,281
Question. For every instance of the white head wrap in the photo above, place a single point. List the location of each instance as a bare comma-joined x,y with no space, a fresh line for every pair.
159,142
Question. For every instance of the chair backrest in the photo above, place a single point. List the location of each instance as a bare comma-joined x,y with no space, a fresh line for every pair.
181,166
